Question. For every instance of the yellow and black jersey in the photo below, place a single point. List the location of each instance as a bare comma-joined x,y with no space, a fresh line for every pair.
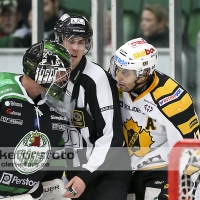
155,120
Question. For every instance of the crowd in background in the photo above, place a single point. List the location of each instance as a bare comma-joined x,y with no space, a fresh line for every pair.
16,21
151,24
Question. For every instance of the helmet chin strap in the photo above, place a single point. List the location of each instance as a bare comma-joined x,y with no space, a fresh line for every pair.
141,87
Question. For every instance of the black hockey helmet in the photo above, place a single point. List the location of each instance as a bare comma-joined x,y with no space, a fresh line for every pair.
73,26
47,62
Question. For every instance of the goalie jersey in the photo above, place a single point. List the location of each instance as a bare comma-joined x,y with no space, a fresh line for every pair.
155,120
29,131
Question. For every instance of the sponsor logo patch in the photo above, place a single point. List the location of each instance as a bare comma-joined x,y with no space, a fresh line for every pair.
107,108
59,127
59,118
8,179
143,53
6,82
172,97
193,122
135,109
11,121
120,61
78,31
13,103
6,90
77,21
78,119
11,112
136,43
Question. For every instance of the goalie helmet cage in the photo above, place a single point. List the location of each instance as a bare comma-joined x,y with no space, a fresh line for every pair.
173,167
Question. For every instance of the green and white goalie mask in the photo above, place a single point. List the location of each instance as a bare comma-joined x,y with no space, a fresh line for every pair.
48,63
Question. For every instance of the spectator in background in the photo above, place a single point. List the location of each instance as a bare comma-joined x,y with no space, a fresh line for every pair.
24,6
10,27
52,12
154,25
51,8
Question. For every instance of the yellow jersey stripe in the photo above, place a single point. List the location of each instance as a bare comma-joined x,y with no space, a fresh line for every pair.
178,106
168,88
189,126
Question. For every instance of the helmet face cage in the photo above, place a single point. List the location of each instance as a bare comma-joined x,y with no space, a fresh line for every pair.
135,55
49,64
73,26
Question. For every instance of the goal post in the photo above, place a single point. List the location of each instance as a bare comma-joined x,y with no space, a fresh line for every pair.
178,184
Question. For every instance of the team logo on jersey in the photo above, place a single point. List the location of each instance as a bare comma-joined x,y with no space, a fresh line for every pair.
32,152
138,139
148,108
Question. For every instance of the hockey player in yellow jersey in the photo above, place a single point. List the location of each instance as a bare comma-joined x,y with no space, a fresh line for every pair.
156,113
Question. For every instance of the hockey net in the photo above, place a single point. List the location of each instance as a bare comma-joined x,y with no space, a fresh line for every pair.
183,177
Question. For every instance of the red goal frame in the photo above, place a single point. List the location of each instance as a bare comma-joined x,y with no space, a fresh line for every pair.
173,166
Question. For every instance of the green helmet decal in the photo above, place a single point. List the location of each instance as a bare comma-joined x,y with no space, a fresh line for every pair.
58,49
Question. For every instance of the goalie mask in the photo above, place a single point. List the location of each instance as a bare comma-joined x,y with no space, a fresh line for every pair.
48,63
133,60
74,26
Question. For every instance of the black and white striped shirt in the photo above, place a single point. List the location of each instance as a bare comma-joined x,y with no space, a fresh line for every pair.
97,124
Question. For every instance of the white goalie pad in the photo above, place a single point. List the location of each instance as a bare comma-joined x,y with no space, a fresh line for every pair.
19,197
53,190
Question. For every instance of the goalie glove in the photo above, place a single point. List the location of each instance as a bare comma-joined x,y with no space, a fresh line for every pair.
53,190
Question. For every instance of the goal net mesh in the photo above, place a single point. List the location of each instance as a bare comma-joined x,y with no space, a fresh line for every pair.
184,170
